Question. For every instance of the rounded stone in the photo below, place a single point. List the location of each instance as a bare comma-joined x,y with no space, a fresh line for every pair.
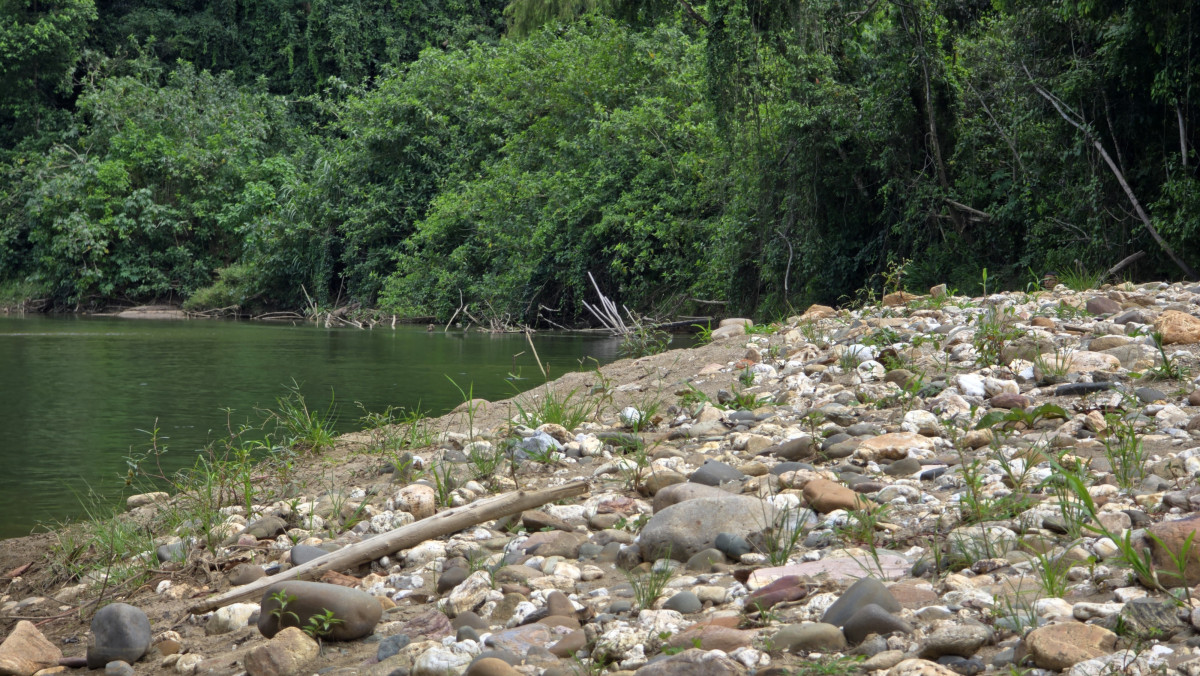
121,632
732,545
358,611
703,561
867,590
685,602
491,666
245,573
301,554
873,619
391,645
451,579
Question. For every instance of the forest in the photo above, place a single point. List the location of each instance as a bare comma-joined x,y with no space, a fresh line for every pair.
413,157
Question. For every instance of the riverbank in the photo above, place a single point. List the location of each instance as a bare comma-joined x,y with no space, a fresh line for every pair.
982,459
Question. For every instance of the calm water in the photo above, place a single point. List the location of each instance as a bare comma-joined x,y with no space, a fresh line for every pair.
75,391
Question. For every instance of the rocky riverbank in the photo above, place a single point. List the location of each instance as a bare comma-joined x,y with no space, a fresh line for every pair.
937,485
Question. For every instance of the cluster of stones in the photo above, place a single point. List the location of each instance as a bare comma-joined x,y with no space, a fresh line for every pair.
872,411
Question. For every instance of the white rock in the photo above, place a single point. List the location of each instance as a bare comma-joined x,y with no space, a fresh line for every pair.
1053,607
230,618
922,422
425,552
1089,611
969,384
440,662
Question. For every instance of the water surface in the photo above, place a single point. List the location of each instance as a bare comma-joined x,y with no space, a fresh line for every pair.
75,391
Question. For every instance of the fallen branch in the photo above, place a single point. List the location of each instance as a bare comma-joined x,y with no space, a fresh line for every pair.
1122,265
405,537
1083,128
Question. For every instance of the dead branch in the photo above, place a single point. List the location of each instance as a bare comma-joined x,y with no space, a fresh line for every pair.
405,537
1137,206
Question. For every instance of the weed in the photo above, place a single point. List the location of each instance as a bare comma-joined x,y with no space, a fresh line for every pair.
746,377
761,329
283,598
993,331
648,587
1018,615
643,339
321,625
984,282
484,461
704,334
1169,369
395,428
1051,572
553,408
813,333
1056,367
840,666
1124,451
785,532
304,429
693,397
443,484
468,397
743,401
1078,278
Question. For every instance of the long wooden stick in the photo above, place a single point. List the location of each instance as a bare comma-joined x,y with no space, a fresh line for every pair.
413,534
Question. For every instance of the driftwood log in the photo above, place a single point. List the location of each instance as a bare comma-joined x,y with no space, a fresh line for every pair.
405,537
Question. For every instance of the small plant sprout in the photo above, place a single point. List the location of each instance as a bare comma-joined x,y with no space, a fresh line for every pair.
648,587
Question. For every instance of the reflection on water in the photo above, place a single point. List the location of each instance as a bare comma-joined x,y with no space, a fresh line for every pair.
74,392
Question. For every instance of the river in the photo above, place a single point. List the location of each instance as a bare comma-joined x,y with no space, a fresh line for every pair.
75,391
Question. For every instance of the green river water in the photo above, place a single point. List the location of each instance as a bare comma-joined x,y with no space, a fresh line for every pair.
75,391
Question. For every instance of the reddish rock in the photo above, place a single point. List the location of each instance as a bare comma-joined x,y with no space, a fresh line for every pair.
1168,540
787,588
825,496
1008,400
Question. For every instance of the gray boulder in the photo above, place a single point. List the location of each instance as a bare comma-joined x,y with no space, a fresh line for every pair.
121,632
687,528
357,610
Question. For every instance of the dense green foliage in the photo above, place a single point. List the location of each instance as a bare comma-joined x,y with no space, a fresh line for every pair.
416,158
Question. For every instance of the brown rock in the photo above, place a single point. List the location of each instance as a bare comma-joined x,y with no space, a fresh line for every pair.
284,655
1099,305
491,666
1042,322
245,573
26,651
557,603
1008,400
713,637
1177,327
535,521
432,625
897,298
893,446
1168,540
825,496
1061,646
1194,398
818,312
658,480
555,543
1103,343
682,492
568,644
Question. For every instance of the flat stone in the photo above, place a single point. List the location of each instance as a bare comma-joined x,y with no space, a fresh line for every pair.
687,528
301,554
782,590
266,528
1008,400
536,520
903,467
715,473
245,573
963,640
815,636
26,651
358,611
919,667
893,446
120,632
1061,646
451,578
837,569
799,448
693,662
1081,389
569,644
713,637
519,640
1100,305
677,493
